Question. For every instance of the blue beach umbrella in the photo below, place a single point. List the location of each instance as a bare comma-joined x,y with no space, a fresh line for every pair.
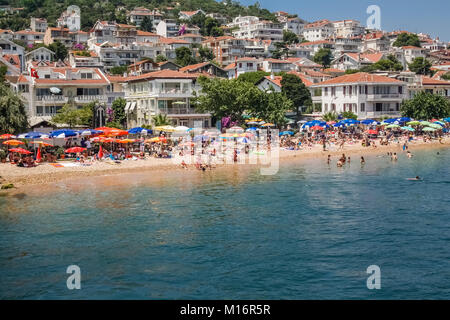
251,129
89,132
139,130
63,133
447,119
339,124
33,135
286,133
404,119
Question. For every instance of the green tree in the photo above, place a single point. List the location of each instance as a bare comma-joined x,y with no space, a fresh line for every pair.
119,70
13,116
330,116
273,107
349,115
147,24
161,58
222,98
426,106
296,91
216,32
289,37
205,54
161,120
323,57
253,77
184,56
407,39
73,116
118,107
59,49
420,65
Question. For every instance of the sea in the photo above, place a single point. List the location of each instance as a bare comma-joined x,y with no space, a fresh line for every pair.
310,231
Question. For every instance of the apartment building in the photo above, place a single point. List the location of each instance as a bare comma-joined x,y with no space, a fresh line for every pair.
77,86
318,30
58,34
261,30
163,92
294,25
11,49
70,18
241,66
137,15
29,37
352,61
275,65
38,24
366,95
376,41
167,28
412,52
40,54
114,55
348,28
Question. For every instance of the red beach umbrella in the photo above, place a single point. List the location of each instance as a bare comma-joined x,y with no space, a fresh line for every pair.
315,128
7,136
75,150
20,150
38,155
372,132
100,152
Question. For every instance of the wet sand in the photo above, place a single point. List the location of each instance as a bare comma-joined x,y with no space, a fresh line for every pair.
153,170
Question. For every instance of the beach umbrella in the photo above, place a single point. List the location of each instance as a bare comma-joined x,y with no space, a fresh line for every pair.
316,128
42,143
13,142
32,135
392,126
7,136
165,128
251,129
20,150
331,122
440,123
339,124
244,140
389,121
429,129
425,123
435,126
75,150
287,133
404,119
413,123
181,129
126,141
253,122
446,119
408,128
212,132
115,132
369,122
375,132
139,130
89,132
38,155
63,134
268,125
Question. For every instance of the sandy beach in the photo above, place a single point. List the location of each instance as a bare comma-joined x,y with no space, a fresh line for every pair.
45,174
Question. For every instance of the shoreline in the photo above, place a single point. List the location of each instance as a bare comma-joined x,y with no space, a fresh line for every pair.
45,174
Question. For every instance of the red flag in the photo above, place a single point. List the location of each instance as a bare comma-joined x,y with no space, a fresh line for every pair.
100,152
34,73
38,155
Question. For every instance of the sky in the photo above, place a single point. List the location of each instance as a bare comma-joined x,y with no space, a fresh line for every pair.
428,16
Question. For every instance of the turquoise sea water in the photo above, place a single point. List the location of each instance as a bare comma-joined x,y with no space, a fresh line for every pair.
309,232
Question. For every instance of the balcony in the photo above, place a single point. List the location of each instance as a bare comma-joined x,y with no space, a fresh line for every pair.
52,99
87,99
173,93
182,111
385,96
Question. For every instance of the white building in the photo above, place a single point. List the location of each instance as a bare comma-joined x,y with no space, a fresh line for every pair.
78,86
376,41
38,24
412,52
319,30
275,65
353,61
294,25
348,28
261,30
137,15
163,92
366,95
40,54
167,28
70,18
241,66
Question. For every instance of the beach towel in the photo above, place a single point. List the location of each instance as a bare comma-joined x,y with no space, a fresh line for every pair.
56,165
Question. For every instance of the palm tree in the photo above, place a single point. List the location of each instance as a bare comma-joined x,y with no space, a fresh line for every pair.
13,116
161,120
330,116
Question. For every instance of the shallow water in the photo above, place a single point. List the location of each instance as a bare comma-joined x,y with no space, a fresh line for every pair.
309,232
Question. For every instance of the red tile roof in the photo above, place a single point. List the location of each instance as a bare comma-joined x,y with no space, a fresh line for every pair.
360,77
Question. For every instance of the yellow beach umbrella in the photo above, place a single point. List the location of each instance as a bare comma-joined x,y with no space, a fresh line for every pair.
13,142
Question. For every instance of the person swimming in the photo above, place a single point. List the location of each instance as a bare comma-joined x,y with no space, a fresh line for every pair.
362,160
417,178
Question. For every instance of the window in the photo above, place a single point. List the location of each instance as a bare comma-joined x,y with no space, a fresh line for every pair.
86,76
326,91
39,110
333,91
350,89
400,89
363,107
325,107
333,107
345,91
378,107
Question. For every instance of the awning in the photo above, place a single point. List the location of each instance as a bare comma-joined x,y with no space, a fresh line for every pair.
127,106
133,105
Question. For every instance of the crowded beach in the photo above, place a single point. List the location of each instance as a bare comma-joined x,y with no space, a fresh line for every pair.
37,157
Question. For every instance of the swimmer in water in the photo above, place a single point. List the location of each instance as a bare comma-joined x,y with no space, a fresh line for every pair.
409,154
394,157
362,160
417,178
